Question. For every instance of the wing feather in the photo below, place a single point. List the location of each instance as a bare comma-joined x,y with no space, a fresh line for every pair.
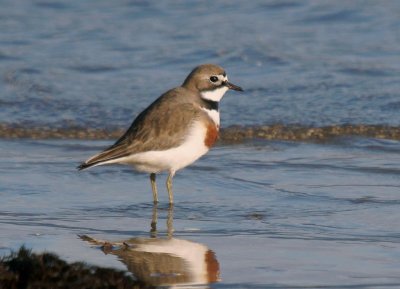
163,125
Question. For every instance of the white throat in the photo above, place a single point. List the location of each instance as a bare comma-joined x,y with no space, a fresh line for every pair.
214,95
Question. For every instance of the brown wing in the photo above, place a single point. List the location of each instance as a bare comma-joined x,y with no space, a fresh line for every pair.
163,125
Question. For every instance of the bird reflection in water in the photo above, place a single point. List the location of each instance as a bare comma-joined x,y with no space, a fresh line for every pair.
164,261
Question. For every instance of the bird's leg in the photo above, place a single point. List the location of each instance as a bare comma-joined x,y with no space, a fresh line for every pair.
169,187
154,187
153,230
170,220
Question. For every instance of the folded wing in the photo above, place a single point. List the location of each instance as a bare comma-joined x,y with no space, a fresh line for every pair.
151,131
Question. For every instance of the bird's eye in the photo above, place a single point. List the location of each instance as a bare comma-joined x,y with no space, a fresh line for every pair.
213,79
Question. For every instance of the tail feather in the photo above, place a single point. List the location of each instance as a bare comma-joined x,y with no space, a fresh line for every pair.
83,166
101,158
94,161
112,153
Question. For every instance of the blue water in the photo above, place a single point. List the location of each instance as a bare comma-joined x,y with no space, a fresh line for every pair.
98,63
276,214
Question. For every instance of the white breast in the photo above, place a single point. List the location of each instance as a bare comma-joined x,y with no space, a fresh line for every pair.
213,114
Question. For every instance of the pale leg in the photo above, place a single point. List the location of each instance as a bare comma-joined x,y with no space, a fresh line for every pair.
169,187
170,220
153,230
154,187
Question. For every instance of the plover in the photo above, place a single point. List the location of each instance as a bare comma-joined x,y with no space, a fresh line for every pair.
174,131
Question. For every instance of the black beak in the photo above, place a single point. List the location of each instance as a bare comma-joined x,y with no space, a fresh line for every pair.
232,86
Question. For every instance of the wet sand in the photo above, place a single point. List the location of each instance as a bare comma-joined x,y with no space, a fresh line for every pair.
231,134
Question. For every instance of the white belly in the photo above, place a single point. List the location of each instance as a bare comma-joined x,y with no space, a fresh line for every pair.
172,159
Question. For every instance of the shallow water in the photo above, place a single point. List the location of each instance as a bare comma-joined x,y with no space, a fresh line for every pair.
276,214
